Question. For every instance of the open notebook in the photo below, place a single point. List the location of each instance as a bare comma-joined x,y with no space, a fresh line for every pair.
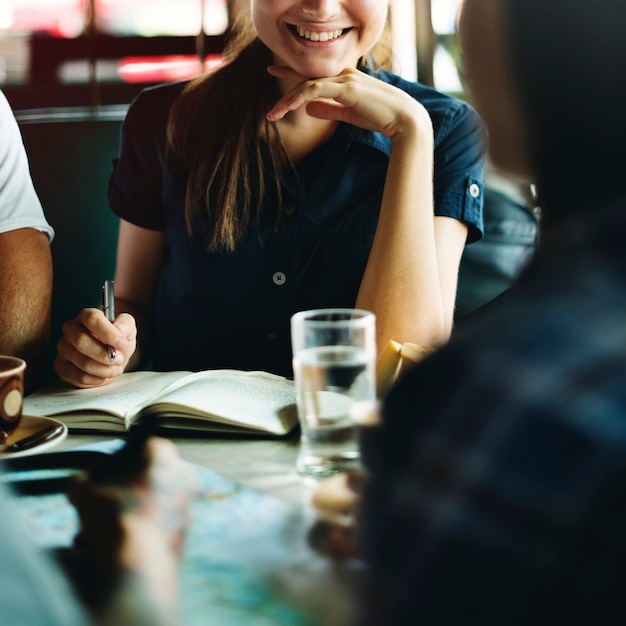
213,400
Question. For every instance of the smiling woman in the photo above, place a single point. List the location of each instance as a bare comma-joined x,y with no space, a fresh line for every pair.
297,175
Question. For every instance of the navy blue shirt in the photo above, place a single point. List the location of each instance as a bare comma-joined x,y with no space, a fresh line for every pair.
220,309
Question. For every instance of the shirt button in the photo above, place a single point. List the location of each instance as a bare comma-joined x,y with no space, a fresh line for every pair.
474,190
279,278
289,210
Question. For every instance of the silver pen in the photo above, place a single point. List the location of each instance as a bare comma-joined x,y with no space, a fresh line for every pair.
108,306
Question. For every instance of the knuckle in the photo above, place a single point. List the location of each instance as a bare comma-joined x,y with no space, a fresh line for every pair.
84,380
59,365
90,317
82,343
314,86
62,348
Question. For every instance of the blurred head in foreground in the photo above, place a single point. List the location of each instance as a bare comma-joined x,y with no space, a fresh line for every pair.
547,78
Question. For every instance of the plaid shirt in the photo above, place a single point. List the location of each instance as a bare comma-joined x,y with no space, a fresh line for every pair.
498,491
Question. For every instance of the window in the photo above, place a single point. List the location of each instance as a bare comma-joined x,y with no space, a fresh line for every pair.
102,52
446,57
93,52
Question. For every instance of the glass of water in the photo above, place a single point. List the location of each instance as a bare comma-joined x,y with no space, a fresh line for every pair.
334,364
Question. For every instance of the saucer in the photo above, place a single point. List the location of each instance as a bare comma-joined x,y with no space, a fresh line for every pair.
29,425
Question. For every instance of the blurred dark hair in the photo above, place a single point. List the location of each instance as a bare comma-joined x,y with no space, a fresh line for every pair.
569,58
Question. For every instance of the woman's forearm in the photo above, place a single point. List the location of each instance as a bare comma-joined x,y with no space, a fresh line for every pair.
401,280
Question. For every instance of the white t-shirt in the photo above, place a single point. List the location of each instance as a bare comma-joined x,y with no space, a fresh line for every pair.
19,204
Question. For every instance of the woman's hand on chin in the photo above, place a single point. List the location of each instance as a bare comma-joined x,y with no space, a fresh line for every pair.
352,97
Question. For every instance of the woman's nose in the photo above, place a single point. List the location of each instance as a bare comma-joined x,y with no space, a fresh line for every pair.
321,9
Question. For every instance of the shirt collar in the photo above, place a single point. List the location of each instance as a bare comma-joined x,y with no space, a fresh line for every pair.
375,140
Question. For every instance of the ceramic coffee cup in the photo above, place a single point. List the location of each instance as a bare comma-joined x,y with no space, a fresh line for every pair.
11,392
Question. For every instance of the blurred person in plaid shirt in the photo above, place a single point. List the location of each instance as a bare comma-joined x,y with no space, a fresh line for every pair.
497,478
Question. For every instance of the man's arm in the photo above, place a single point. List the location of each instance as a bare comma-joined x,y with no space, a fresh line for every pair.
134,510
25,302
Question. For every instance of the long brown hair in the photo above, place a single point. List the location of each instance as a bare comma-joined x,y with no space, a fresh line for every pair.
217,129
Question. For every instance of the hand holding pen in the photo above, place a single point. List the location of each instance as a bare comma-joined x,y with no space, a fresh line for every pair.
97,345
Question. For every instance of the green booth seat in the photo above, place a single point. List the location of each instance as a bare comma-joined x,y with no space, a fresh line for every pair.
70,154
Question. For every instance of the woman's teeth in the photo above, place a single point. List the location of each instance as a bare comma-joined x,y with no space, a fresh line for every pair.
315,36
